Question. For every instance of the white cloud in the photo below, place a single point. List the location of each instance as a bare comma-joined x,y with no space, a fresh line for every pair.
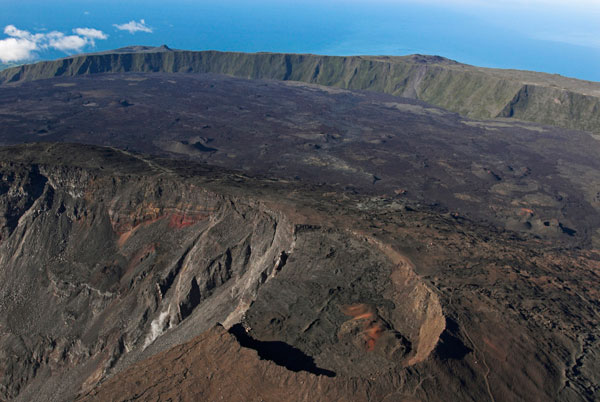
90,33
15,49
12,31
67,43
133,27
23,45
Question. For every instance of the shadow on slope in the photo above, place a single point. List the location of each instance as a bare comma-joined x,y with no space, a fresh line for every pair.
280,353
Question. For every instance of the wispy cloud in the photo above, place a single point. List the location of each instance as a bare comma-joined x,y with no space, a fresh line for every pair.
13,31
23,45
134,26
90,33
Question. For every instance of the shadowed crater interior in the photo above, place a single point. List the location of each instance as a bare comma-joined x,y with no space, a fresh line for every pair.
279,352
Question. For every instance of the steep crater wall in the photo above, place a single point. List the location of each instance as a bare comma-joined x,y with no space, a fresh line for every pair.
471,91
344,301
94,267
98,271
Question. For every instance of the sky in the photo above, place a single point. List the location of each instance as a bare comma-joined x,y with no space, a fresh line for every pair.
560,37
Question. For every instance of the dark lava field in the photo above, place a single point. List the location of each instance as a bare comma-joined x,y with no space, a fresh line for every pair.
171,236
533,179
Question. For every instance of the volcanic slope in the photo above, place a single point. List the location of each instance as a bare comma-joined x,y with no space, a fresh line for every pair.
125,277
537,180
475,92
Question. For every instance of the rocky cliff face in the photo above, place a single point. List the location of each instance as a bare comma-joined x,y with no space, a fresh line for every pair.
96,266
471,91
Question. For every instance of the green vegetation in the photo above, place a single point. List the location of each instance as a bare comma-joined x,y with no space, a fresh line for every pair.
474,92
